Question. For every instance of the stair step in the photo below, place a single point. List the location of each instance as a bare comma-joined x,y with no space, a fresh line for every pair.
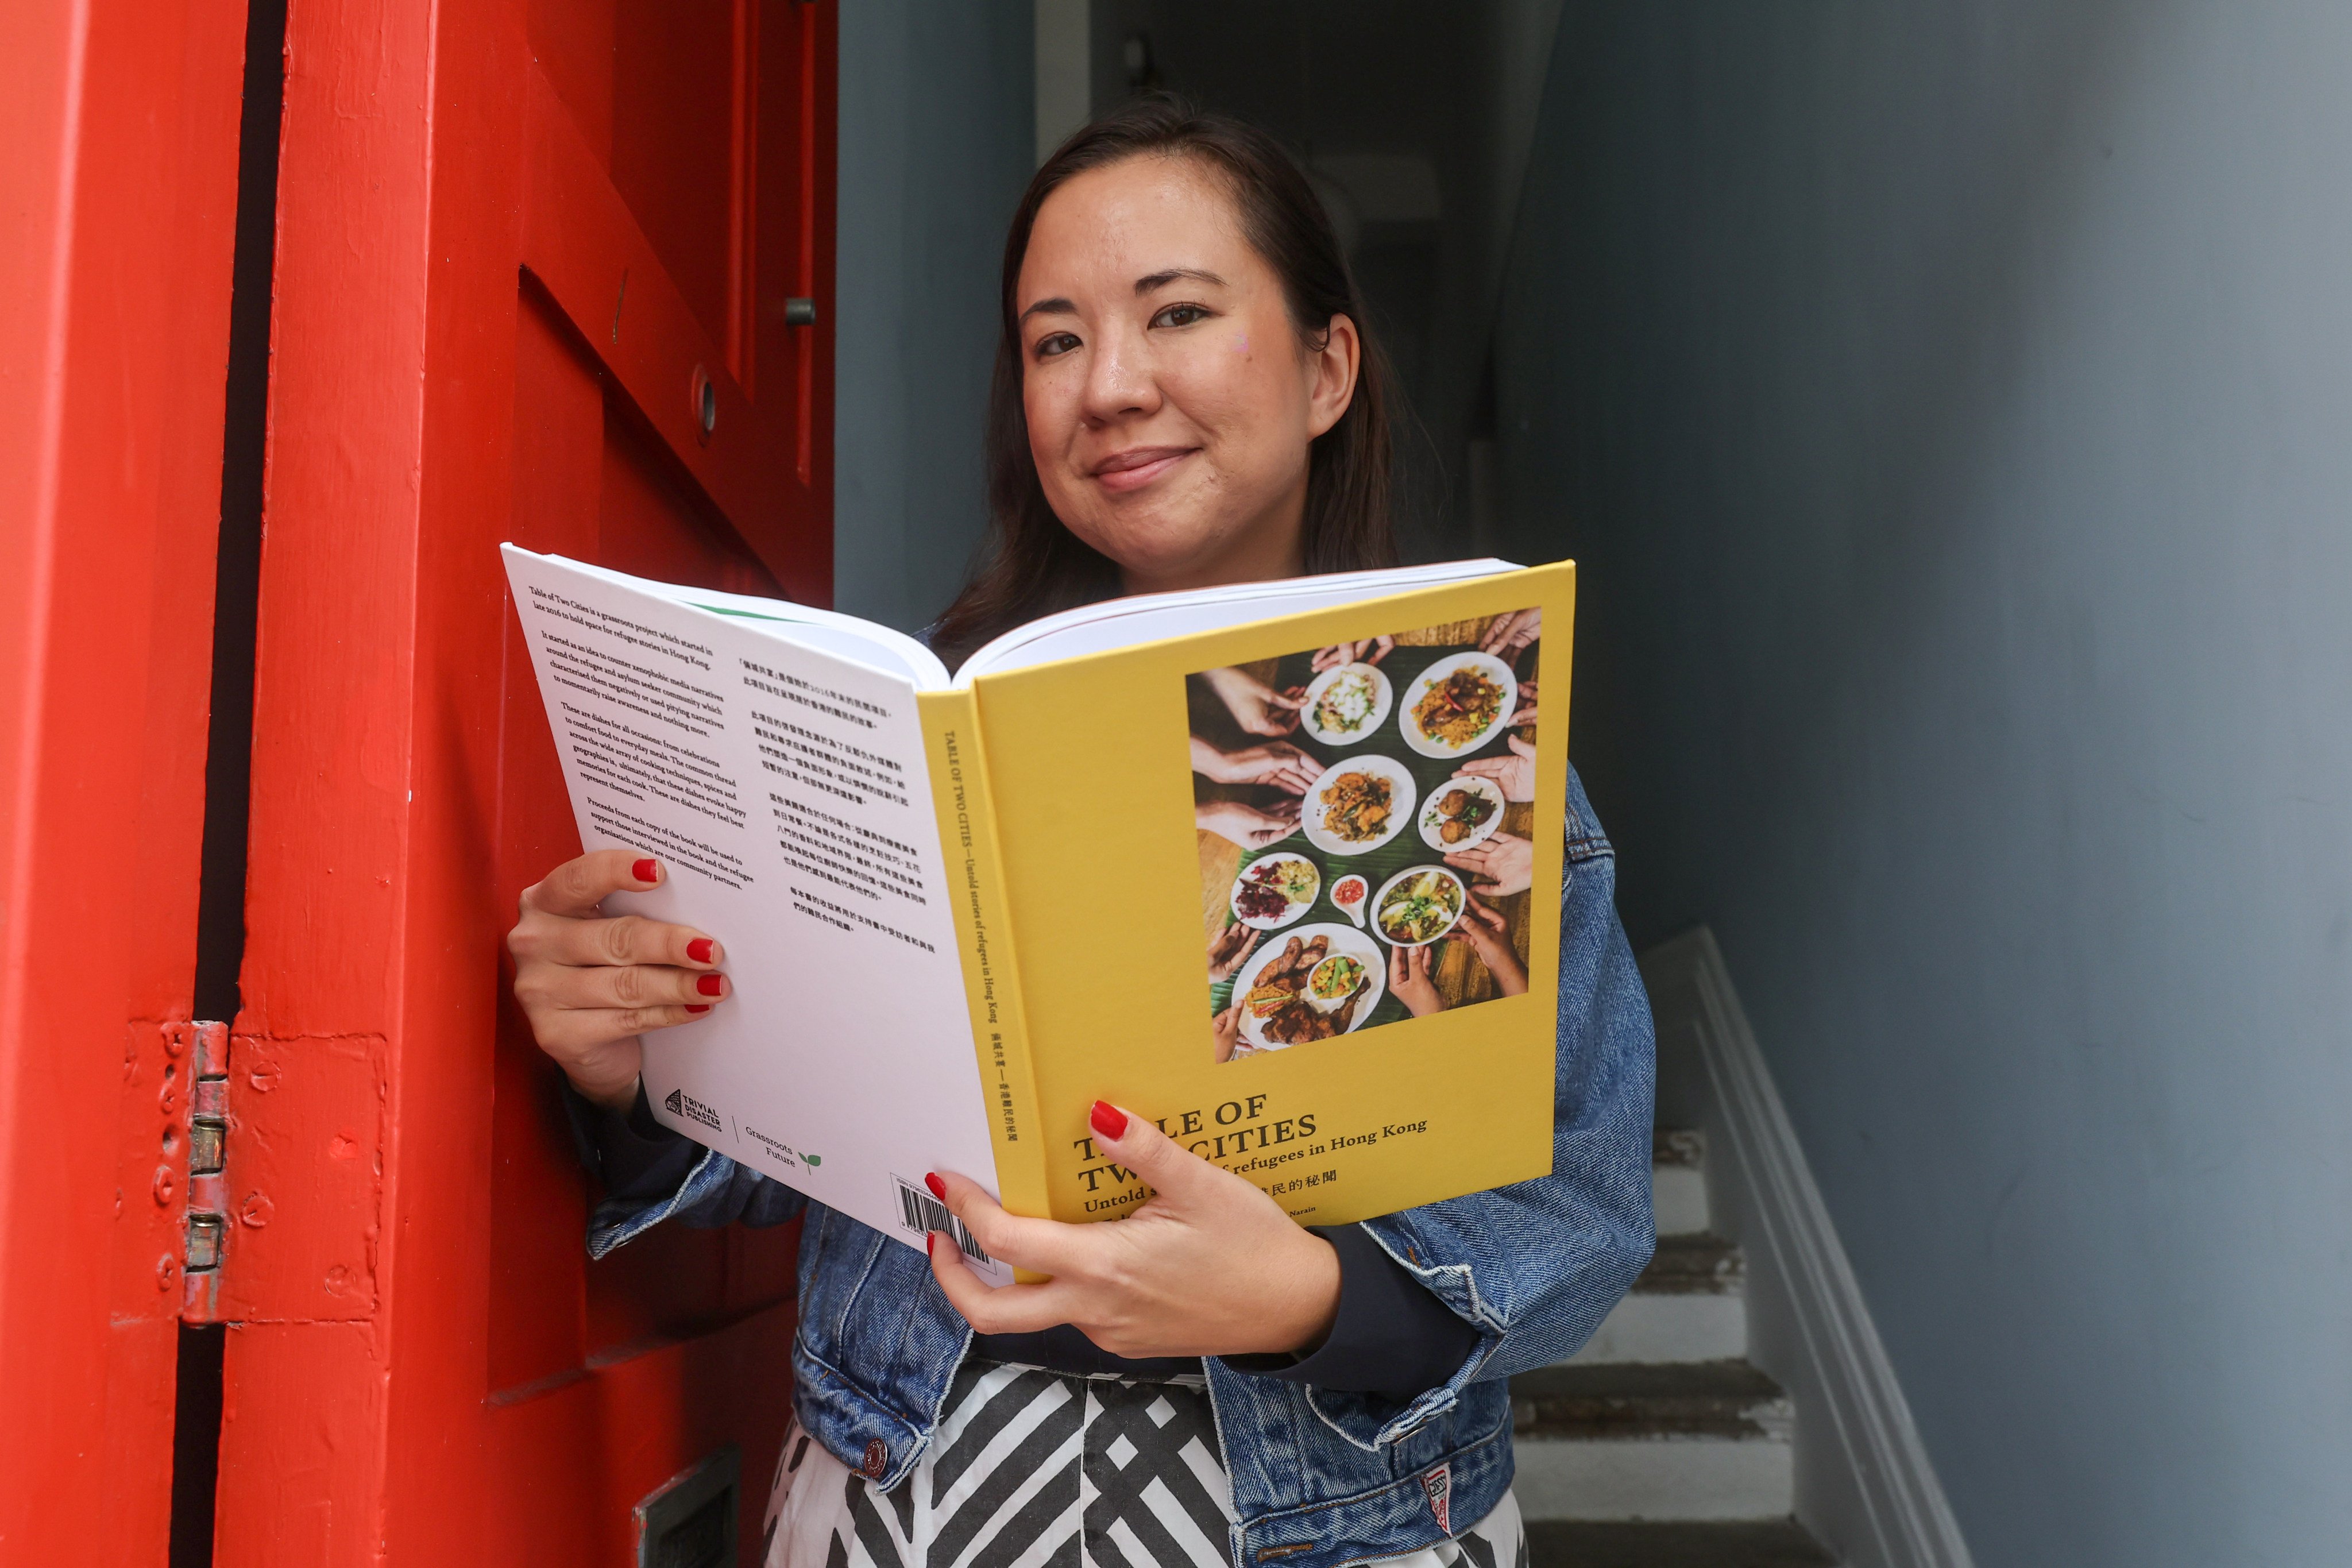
1688,1306
1575,1543
1679,1181
1686,1265
1655,1477
1677,1146
1726,1399
1709,1441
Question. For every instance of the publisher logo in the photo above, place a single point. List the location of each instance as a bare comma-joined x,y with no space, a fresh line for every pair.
680,1103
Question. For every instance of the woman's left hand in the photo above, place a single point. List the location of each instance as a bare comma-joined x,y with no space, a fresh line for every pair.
1208,1265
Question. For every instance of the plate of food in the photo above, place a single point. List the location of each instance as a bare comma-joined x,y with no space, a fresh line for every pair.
1274,890
1457,704
1345,703
1357,805
1416,907
1461,812
1322,981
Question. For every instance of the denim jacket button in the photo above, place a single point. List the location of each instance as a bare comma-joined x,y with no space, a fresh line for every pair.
878,1459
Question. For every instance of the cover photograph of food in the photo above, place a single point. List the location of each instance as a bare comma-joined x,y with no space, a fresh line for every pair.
1363,817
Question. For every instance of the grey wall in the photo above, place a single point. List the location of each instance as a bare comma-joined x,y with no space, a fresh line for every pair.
936,142
1951,404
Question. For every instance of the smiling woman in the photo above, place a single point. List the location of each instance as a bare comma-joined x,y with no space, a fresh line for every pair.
1184,396
1185,389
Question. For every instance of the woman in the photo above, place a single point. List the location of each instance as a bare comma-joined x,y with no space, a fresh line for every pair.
1184,396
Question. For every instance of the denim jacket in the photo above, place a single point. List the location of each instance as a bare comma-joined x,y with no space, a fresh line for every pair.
1320,1478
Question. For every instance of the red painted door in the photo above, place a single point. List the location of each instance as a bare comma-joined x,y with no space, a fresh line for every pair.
118,196
557,271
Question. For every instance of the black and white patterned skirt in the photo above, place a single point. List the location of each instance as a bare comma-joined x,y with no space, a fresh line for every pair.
1034,1469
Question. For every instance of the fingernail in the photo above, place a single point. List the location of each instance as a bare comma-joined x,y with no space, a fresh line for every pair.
646,870
1107,1120
699,950
697,1006
930,1243
939,1188
709,985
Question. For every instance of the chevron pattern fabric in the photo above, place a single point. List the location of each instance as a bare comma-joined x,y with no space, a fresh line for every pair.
1033,1470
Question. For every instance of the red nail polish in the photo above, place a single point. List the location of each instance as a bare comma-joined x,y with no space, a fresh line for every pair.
697,1006
699,950
1107,1120
939,1188
930,1243
647,871
709,985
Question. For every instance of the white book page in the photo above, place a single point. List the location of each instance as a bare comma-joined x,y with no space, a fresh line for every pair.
885,647
784,787
1150,617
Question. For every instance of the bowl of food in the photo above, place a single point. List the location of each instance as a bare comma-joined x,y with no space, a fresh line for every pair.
1332,982
1461,812
1345,703
1274,890
1349,892
1323,982
1416,907
1357,805
1458,704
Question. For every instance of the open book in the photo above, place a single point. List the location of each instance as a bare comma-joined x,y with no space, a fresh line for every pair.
1277,865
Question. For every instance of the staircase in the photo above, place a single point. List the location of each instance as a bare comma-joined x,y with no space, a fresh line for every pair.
1657,1445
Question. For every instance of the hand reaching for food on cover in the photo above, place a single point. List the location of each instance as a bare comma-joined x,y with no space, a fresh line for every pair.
1256,707
1522,713
591,983
1277,763
1410,983
1488,934
1371,650
1508,634
1228,948
1251,826
1229,1034
1516,773
1505,864
1208,1265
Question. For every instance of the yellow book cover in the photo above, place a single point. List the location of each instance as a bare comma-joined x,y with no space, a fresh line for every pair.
1251,921
1277,867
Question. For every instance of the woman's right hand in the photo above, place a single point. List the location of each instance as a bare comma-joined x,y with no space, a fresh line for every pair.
591,985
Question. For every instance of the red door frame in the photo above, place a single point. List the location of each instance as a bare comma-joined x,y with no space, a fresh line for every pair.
118,199
356,1426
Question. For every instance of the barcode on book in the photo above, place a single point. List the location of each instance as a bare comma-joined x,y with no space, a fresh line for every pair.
922,1212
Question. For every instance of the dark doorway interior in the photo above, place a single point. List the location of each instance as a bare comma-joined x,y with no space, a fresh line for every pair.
1414,124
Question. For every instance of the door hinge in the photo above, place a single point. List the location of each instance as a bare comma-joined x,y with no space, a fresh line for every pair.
204,1228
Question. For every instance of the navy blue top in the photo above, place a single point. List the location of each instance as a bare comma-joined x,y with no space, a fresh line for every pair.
1391,1337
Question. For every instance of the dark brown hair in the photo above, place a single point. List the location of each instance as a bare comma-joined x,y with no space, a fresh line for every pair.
1031,564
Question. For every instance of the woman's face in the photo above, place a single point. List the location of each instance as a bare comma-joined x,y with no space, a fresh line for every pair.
1170,398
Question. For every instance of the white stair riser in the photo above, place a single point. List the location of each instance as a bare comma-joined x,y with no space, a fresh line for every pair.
1655,1478
1678,1197
1663,1328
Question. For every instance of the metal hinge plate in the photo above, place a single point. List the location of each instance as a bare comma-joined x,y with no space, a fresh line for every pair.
203,1230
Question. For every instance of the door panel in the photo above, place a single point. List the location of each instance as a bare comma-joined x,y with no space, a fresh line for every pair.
619,189
119,188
